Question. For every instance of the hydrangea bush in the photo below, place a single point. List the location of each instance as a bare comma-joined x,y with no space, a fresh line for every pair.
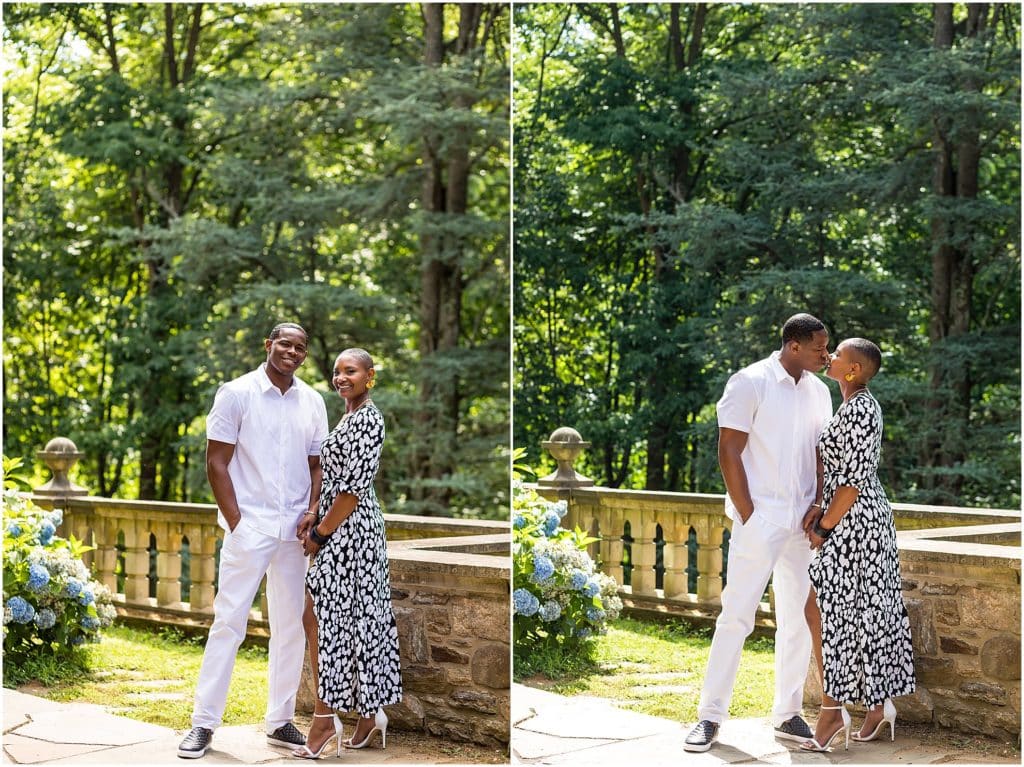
559,596
51,604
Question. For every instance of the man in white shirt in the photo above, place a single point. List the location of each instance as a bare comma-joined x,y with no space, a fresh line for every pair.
263,464
770,417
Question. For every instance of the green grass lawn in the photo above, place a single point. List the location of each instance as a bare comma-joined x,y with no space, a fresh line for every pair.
657,669
151,677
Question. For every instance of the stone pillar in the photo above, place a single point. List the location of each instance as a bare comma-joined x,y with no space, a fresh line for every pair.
202,543
709,565
106,553
168,565
136,562
645,555
677,557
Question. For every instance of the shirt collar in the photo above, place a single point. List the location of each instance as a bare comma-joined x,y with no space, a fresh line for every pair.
780,372
264,380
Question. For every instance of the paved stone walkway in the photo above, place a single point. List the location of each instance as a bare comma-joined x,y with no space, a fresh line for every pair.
554,729
41,731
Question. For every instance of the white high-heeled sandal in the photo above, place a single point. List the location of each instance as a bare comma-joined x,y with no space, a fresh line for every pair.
305,752
888,715
813,745
380,724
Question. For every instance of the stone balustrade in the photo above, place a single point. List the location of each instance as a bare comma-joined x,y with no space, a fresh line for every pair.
450,589
961,583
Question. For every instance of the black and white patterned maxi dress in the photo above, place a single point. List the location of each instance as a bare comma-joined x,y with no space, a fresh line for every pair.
865,631
349,580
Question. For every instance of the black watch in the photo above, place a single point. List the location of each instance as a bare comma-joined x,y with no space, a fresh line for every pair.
820,531
318,539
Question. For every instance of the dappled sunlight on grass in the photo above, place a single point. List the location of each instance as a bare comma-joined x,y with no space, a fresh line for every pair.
151,677
658,669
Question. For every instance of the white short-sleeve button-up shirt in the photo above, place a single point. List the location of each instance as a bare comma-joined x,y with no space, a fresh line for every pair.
273,434
783,419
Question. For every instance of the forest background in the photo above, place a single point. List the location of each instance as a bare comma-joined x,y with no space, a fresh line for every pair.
687,176
178,178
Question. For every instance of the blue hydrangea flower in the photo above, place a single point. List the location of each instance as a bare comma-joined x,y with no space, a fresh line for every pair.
73,587
560,508
595,615
592,589
46,618
56,517
550,611
518,521
86,597
46,531
524,602
550,523
78,639
14,529
21,611
38,577
543,568
89,623
583,633
578,579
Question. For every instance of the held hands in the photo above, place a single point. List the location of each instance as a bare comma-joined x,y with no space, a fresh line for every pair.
309,546
811,519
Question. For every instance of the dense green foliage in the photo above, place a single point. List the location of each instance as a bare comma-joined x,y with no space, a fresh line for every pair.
178,178
687,176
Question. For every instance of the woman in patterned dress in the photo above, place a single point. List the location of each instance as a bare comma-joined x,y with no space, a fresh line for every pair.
349,622
855,610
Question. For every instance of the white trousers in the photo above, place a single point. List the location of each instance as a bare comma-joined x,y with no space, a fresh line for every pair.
245,557
756,551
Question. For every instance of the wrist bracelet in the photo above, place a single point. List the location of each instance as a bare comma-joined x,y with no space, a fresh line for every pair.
820,531
318,538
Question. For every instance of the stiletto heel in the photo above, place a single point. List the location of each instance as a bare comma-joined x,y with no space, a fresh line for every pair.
305,752
888,715
813,745
380,724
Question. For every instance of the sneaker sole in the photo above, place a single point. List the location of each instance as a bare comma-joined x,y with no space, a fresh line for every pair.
696,749
192,754
284,743
790,736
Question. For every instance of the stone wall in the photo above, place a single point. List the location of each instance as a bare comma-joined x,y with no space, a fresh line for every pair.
963,598
452,609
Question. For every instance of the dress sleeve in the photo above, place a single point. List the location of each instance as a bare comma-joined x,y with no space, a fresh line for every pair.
225,417
362,450
859,428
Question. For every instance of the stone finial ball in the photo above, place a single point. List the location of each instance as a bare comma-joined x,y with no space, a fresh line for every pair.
565,444
60,454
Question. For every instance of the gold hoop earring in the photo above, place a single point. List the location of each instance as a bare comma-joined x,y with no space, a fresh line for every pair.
849,377
370,384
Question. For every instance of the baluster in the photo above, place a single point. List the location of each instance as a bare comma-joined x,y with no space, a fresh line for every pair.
106,552
677,558
168,564
136,562
202,545
644,556
709,562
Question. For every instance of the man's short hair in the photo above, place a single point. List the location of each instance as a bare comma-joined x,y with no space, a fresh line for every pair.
282,325
869,352
801,328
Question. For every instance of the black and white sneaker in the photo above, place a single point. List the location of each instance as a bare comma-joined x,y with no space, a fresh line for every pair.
286,735
794,728
702,736
195,743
